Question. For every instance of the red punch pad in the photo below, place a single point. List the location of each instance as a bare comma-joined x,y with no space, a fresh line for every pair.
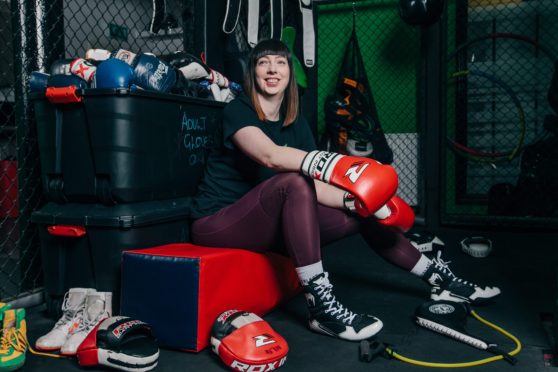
180,289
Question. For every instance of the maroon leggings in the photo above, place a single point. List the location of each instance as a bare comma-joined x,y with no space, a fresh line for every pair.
282,213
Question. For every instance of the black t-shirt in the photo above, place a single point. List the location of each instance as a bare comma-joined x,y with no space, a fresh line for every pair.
229,173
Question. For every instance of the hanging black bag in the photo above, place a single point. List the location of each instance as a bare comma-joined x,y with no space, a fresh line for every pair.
352,122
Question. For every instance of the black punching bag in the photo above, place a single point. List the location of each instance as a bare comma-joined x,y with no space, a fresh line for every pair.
420,12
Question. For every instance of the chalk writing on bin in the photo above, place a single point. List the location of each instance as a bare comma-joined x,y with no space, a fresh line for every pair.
196,140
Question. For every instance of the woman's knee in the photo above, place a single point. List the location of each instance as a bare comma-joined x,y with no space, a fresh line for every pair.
295,182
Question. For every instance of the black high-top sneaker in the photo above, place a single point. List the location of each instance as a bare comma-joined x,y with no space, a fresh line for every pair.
446,286
328,316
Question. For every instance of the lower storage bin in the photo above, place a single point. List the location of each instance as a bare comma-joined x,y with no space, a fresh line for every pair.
81,244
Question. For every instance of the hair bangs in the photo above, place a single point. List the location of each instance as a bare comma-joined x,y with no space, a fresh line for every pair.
270,47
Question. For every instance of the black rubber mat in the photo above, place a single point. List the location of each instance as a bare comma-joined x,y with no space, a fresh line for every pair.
522,265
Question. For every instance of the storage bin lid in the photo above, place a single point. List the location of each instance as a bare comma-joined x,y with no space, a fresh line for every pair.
127,92
120,215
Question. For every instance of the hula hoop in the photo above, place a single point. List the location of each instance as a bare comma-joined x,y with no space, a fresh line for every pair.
504,35
476,155
492,156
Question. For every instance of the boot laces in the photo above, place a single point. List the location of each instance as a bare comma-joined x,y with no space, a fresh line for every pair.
334,307
69,314
91,320
443,266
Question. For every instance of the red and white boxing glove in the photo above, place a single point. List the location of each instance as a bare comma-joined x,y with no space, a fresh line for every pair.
396,214
193,68
371,182
82,68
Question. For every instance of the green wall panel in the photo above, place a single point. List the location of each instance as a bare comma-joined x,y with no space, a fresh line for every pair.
390,51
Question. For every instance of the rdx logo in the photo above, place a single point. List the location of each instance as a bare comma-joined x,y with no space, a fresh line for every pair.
355,171
243,367
263,340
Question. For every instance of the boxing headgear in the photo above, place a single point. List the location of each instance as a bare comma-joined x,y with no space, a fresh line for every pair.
420,12
246,342
120,342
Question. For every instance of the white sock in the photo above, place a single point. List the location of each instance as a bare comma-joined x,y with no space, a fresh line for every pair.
305,273
421,266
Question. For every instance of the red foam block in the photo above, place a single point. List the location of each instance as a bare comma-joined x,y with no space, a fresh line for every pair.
180,289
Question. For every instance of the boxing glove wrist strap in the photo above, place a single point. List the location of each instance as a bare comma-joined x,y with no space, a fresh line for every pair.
319,164
349,201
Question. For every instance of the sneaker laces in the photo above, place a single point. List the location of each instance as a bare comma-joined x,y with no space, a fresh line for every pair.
334,307
443,266
13,339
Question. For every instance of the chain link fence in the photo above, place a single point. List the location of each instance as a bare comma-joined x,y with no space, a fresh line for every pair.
36,34
497,151
390,55
19,190
501,156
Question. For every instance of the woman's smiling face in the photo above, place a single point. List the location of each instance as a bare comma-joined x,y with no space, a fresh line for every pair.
272,74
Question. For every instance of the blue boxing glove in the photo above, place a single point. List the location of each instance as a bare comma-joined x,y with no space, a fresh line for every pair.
153,74
38,81
113,73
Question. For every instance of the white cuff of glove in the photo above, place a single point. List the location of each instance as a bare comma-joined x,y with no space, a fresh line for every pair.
382,213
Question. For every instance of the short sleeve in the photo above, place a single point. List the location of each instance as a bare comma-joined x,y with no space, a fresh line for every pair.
306,136
237,115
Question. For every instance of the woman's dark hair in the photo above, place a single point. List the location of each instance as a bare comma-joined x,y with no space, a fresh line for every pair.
289,107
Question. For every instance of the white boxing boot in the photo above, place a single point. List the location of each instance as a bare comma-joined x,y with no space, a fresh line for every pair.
72,318
98,306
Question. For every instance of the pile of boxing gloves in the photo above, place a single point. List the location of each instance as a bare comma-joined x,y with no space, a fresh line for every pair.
176,73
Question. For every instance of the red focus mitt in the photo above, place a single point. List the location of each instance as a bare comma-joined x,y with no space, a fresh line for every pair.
122,343
246,342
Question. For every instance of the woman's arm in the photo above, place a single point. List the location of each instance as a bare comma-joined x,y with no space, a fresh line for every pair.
260,148
329,195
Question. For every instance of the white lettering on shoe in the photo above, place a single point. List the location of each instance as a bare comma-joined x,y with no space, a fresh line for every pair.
310,299
435,278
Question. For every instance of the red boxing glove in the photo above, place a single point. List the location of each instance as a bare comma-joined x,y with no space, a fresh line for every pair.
396,214
353,204
371,182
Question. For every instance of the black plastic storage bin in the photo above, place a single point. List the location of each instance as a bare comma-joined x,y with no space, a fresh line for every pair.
120,145
81,244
